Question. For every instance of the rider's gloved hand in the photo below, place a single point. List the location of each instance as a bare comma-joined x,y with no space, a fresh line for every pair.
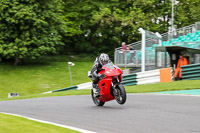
101,76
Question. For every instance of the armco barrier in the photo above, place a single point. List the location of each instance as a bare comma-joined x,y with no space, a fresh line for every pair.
149,80
66,89
148,77
129,79
191,72
87,85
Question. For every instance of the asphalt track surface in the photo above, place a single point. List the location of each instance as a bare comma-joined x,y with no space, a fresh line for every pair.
142,113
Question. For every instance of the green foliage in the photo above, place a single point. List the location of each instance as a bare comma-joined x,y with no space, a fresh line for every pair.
187,12
168,86
30,28
42,77
101,26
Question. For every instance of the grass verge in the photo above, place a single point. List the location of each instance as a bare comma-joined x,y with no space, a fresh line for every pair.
37,78
170,86
15,124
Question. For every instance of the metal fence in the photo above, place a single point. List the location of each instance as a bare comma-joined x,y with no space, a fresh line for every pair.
181,31
133,58
128,58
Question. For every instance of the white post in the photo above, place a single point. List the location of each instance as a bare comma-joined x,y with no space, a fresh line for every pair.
70,76
143,48
70,64
160,54
172,18
125,59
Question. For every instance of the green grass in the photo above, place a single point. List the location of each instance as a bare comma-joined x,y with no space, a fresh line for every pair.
34,78
45,75
170,86
62,93
37,78
15,124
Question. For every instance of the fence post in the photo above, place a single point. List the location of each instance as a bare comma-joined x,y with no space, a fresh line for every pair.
143,48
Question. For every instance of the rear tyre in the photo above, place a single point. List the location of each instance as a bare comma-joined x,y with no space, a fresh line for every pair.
96,100
120,94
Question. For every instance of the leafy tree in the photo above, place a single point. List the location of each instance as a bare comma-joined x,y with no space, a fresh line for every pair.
101,26
29,28
160,14
187,12
98,24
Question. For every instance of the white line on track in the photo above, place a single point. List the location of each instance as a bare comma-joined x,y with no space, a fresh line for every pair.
47,122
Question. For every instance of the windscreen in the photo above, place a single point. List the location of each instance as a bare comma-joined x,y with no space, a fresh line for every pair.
109,65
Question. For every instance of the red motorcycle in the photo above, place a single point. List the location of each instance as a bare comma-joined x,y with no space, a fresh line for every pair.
110,85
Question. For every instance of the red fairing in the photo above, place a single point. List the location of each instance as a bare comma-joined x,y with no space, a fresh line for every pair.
111,72
105,83
104,86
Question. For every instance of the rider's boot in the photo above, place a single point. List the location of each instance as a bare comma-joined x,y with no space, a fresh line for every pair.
96,90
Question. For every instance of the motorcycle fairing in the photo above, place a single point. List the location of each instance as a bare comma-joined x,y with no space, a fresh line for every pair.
104,86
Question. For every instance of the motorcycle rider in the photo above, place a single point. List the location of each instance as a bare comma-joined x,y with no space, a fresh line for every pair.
97,67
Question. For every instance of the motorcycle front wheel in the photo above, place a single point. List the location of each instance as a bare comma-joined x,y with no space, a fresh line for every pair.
96,100
120,95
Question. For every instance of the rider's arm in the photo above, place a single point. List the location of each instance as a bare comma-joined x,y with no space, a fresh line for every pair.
94,68
94,71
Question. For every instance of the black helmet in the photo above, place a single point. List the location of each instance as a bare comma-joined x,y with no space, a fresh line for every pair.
103,59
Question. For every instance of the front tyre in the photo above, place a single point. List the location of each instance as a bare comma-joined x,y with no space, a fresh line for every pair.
96,100
120,94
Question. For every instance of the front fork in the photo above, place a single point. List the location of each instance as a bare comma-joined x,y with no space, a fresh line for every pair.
115,89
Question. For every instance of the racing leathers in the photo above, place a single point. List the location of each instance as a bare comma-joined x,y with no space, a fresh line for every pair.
97,67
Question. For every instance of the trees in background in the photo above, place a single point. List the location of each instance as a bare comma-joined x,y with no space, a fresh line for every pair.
30,28
101,26
187,12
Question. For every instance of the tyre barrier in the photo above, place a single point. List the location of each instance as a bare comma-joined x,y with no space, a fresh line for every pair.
191,72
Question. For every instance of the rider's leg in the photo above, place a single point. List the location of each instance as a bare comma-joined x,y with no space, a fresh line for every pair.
95,87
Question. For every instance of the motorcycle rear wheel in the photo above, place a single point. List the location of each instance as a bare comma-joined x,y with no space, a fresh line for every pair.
96,100
121,94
